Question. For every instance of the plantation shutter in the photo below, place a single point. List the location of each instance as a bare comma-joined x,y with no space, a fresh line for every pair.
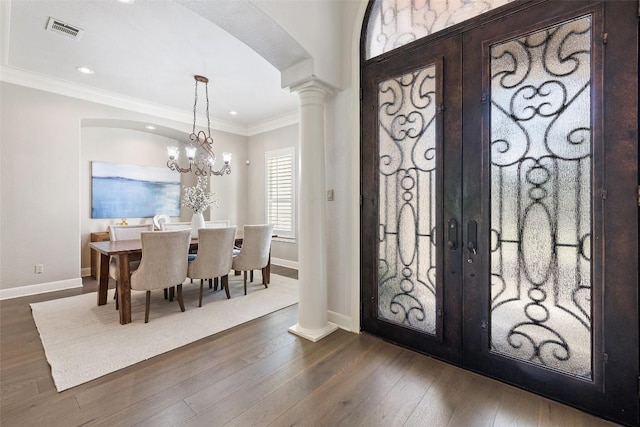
280,167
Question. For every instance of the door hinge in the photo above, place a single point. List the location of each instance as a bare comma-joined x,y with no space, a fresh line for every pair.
483,100
439,313
605,37
441,109
604,194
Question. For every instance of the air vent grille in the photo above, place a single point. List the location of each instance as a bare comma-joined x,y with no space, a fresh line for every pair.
60,27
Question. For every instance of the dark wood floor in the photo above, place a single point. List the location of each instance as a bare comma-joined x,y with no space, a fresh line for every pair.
259,374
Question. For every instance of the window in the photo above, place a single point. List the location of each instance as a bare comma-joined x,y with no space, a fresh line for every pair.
280,169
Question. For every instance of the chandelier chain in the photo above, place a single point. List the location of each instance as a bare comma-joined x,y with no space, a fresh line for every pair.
199,150
206,91
195,104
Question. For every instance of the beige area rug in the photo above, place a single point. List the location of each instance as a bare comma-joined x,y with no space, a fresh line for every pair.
83,341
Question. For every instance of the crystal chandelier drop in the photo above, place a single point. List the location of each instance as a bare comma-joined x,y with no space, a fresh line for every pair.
199,150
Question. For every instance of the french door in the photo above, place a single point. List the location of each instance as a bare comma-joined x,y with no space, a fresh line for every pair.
499,231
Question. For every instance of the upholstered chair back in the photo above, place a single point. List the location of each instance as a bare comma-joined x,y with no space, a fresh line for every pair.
128,232
256,244
125,232
215,253
164,260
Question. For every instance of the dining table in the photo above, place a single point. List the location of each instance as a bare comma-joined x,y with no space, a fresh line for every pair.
126,250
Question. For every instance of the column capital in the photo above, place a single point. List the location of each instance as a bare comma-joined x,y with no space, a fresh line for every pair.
312,85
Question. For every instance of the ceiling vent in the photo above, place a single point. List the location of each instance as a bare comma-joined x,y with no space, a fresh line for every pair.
60,27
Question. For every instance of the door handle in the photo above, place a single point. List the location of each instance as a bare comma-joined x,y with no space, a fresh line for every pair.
472,238
452,242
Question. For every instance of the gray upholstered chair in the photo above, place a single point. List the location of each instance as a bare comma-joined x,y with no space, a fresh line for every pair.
124,232
214,258
163,264
254,254
173,226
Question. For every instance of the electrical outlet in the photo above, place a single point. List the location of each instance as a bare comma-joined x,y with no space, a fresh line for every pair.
39,268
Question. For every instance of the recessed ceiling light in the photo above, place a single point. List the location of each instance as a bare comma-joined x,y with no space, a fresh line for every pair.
233,113
84,70
126,1
150,127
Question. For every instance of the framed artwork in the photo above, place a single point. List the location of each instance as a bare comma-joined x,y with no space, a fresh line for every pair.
130,191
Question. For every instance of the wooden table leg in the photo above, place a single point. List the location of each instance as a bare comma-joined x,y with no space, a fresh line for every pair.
269,269
103,280
124,289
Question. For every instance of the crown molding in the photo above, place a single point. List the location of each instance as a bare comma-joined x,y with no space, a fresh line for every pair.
86,93
274,123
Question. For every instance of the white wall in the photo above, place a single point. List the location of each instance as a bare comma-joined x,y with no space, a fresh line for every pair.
42,176
114,145
40,209
259,144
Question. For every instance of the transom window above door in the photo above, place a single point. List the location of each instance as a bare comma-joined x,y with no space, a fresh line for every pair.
394,23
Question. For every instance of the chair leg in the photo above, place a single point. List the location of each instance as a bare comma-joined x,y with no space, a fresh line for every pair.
264,277
225,284
171,293
166,293
215,283
146,308
180,300
210,283
251,276
245,282
200,300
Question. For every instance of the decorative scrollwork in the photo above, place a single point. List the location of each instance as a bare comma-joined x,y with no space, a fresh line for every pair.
395,23
407,150
541,204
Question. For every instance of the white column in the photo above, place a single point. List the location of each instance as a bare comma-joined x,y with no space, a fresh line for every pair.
313,321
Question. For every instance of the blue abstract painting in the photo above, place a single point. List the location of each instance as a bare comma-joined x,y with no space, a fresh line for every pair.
130,191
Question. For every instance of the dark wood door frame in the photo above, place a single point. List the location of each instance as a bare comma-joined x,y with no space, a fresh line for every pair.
615,214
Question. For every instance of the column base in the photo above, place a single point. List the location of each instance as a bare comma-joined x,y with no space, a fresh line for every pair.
313,335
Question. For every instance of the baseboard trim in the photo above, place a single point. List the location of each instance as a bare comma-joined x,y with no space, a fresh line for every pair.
285,263
343,322
41,288
313,335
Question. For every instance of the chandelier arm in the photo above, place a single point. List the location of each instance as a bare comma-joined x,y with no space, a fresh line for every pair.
174,166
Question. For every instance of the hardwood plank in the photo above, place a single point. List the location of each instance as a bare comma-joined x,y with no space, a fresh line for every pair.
235,404
173,415
259,374
516,409
335,397
203,399
441,398
394,407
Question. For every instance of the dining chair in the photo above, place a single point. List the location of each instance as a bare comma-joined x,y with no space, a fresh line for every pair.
214,257
222,223
254,253
124,232
163,264
174,226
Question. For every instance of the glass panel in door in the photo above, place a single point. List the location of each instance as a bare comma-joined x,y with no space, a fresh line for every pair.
540,159
407,210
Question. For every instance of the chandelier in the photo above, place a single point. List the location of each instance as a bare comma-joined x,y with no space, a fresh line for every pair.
199,150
